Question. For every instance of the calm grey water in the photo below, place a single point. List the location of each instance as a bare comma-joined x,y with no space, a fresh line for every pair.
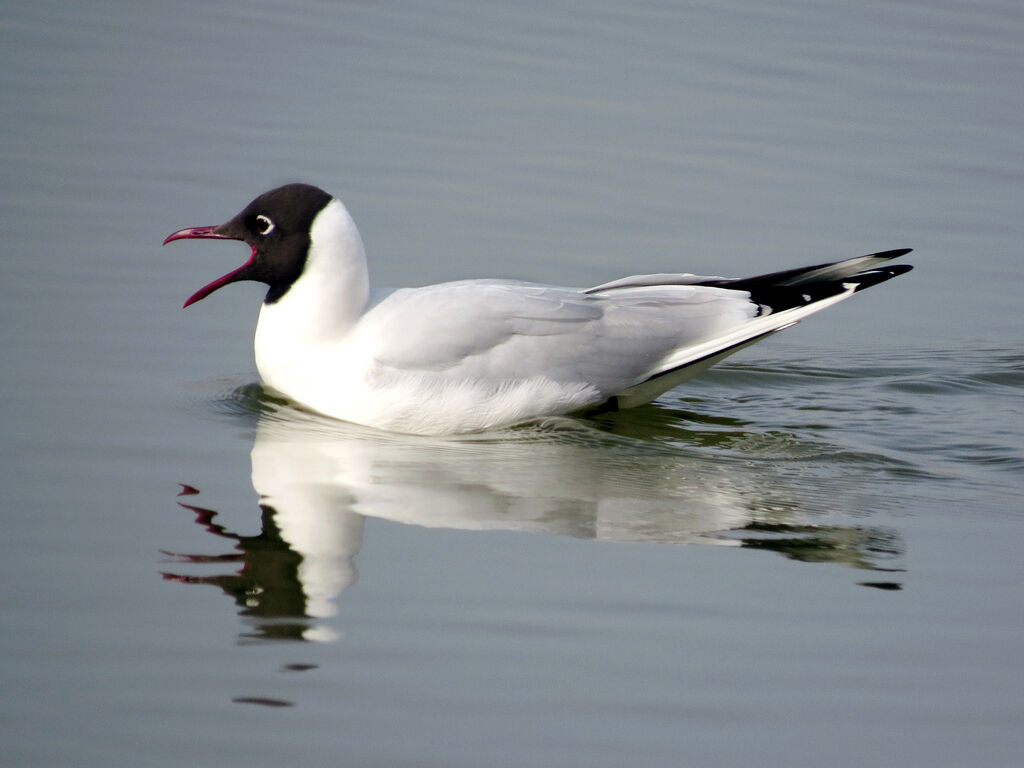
810,556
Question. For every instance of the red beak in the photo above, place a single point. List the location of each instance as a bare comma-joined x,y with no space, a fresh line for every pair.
197,233
209,233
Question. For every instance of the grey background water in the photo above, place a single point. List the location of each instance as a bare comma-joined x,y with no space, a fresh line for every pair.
809,556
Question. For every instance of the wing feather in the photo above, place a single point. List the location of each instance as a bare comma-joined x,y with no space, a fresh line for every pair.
499,331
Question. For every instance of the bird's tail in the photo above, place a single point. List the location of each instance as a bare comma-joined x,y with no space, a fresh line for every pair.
785,298
779,291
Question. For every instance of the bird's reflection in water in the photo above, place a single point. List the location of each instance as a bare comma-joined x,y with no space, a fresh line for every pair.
273,584
318,481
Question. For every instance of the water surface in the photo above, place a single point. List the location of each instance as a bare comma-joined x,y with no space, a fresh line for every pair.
809,555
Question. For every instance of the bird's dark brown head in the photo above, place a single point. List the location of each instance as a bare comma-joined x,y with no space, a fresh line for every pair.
276,226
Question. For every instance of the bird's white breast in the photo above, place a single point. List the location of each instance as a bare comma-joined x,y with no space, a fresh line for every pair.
295,333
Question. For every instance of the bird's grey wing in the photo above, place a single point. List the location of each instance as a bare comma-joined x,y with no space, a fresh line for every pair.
501,331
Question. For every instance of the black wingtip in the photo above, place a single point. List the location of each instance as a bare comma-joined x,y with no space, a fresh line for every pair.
872,277
893,254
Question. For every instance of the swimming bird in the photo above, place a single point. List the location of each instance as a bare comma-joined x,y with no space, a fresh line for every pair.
475,355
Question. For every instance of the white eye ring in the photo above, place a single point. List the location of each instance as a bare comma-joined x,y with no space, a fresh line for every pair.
264,225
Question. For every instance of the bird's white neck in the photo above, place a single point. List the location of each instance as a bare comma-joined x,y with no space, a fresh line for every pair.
325,301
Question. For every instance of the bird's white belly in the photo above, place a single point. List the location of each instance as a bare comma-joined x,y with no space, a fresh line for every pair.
344,381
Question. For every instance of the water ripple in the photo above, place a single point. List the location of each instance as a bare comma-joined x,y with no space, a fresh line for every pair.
941,412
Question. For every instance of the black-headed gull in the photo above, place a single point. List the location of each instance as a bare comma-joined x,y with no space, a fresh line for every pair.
481,354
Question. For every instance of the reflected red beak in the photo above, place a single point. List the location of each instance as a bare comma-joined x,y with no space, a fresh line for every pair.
210,233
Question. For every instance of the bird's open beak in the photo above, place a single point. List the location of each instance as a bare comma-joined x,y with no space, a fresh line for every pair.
210,233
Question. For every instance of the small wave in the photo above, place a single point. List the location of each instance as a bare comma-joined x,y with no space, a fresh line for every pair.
925,370
940,412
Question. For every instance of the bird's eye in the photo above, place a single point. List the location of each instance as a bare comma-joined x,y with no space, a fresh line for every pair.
264,225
